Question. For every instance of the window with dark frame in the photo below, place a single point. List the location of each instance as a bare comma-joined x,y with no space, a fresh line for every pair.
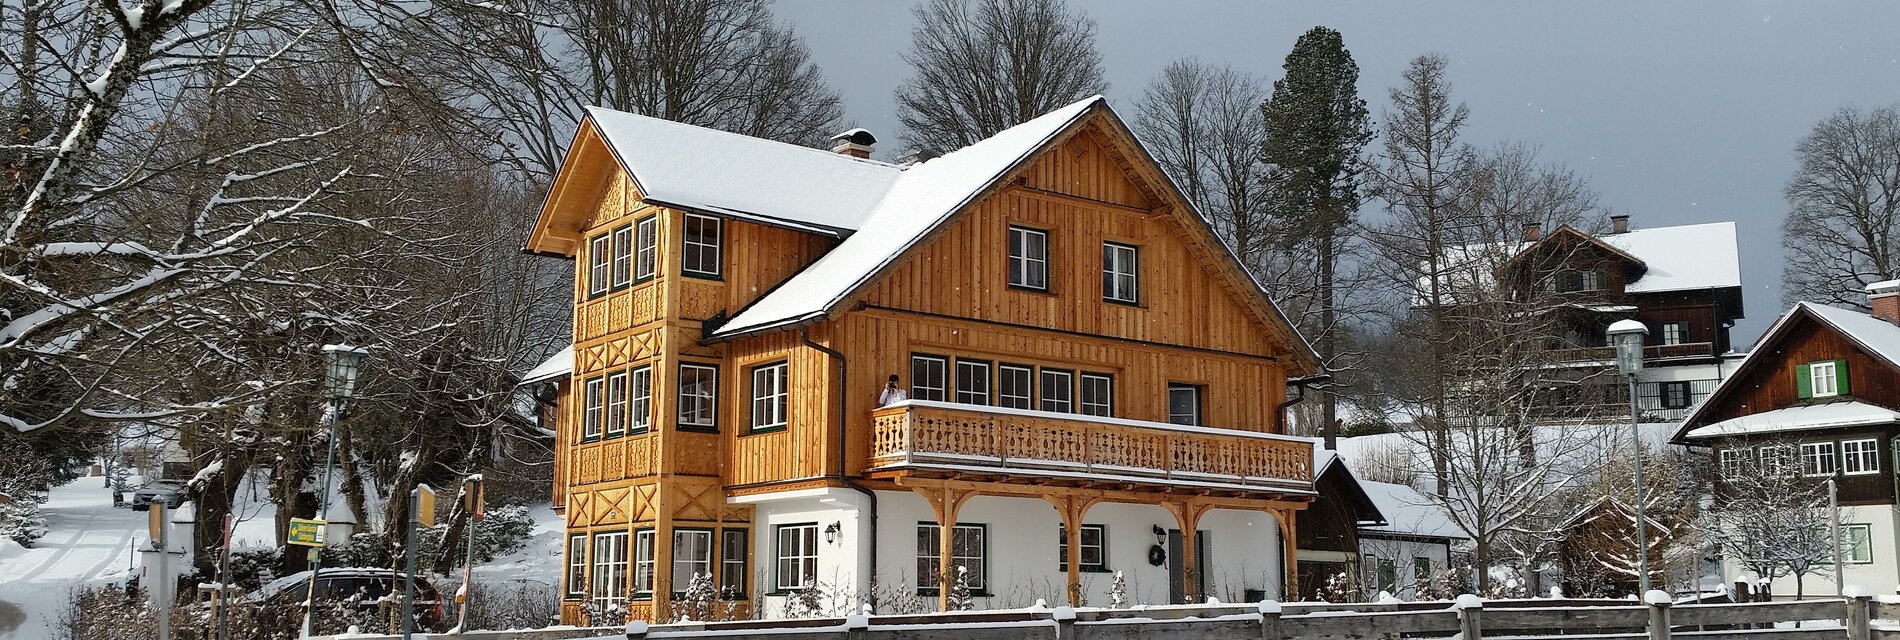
1015,386
973,381
692,556
1120,273
769,397
1058,391
1184,403
617,404
623,257
1675,333
646,248
1094,540
609,584
642,405
732,564
1028,258
576,565
699,397
1675,395
599,256
700,250
929,377
1098,394
796,556
592,401
967,550
643,564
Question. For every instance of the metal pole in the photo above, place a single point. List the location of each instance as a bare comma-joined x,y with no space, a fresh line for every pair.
332,408
468,558
409,580
1834,533
1642,520
164,578
224,581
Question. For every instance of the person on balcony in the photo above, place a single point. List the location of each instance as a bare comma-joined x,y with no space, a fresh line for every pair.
892,394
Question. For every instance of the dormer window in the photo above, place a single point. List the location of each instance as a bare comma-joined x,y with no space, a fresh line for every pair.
1823,379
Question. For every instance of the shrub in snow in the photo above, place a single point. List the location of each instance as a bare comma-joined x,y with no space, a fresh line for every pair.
1118,593
252,567
513,604
960,599
896,598
808,602
21,520
700,601
1337,588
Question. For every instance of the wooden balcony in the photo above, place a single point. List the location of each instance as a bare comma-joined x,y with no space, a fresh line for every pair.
1650,353
1015,445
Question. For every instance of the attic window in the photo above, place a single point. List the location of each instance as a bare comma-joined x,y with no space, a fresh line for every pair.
699,257
1823,379
598,252
1579,280
645,248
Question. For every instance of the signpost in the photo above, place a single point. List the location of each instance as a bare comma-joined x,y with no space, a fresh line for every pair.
307,532
472,502
421,514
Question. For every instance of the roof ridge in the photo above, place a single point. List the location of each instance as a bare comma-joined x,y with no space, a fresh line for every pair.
722,132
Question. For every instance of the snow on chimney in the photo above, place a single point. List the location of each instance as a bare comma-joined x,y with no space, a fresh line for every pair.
855,143
1884,297
1533,231
1620,223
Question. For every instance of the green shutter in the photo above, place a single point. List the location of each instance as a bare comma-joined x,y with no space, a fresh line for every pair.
1803,382
1840,377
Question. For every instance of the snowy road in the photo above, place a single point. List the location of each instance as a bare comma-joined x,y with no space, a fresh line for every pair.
87,541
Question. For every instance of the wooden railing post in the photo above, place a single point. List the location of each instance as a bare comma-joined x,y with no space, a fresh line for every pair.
1659,602
855,626
637,630
1859,614
1270,625
1065,622
1470,617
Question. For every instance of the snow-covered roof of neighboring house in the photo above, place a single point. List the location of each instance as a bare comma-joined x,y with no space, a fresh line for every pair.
1851,413
919,198
1409,513
561,364
1877,337
1323,461
712,171
1683,257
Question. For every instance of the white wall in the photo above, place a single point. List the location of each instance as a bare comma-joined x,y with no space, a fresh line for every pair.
1879,576
1404,555
1022,535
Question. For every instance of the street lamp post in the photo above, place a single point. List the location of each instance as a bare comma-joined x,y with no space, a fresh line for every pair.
342,364
1628,336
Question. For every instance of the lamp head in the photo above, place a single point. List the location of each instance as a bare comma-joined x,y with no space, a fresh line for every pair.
1627,336
339,376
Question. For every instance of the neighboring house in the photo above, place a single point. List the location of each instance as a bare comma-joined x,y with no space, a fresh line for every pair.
1329,528
1683,282
1413,545
1819,397
1089,370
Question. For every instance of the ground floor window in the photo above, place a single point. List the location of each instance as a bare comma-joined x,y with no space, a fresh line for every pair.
1857,543
1094,548
1421,569
732,564
692,556
1382,574
967,550
576,565
643,563
609,586
797,555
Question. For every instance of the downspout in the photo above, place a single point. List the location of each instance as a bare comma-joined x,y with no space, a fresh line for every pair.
1300,384
804,334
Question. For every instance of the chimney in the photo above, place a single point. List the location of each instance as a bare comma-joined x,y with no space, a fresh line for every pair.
1533,232
855,143
1620,223
1884,297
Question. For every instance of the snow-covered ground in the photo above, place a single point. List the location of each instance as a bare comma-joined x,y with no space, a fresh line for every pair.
89,542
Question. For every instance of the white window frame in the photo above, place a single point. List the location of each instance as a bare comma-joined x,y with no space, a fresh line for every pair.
1860,457
599,255
684,542
1733,463
640,409
1028,269
623,257
643,564
1048,402
770,396
1859,543
616,404
1819,459
607,585
1099,547
1778,460
1193,392
1121,273
1815,370
1025,398
795,555
695,254
699,397
976,565
1675,333
933,381
1084,406
593,401
646,248
576,566
967,391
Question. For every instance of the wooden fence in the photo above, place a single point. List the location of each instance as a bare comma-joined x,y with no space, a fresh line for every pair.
1468,619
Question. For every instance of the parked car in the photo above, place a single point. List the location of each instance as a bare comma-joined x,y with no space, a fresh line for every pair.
363,587
170,492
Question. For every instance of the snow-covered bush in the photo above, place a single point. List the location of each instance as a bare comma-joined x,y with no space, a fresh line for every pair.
21,519
513,604
1118,592
700,602
808,602
1337,588
252,567
960,599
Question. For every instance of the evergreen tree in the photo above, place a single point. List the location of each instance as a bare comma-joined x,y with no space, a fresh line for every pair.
1316,125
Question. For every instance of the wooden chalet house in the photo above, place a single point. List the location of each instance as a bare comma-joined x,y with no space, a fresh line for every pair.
1682,282
1090,373
1819,398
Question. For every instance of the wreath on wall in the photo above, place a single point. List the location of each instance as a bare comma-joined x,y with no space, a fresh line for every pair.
1157,556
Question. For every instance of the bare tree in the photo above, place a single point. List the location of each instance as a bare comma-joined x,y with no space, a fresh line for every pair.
1842,232
1772,524
982,67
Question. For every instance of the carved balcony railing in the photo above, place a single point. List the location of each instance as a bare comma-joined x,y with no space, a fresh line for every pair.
1607,355
988,440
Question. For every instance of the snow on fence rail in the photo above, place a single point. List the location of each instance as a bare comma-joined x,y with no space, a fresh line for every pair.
1466,619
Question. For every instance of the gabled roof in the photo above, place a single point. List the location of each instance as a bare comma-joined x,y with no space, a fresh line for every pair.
1409,513
1679,258
1365,511
1567,231
557,366
1877,337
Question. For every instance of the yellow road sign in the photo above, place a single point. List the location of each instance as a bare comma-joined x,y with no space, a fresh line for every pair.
309,533
425,505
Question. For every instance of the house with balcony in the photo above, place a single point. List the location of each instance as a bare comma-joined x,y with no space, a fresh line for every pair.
1816,400
1091,383
1682,282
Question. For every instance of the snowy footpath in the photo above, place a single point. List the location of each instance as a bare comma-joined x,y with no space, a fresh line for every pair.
87,542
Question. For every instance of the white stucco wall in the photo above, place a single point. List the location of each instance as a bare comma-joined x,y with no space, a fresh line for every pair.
1880,576
1244,548
1404,555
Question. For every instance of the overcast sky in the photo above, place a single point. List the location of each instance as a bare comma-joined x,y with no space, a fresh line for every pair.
1677,112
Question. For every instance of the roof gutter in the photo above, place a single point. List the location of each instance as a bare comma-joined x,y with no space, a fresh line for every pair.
870,527
1300,384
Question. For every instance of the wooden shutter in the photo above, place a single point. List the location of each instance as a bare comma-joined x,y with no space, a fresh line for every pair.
1840,377
1803,381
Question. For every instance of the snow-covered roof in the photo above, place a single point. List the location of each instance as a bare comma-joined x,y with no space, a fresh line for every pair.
1852,413
561,364
1877,337
1690,256
918,198
1407,512
708,170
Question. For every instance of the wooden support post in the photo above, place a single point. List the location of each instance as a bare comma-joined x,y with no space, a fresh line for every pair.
1270,626
1859,617
1289,536
945,500
1065,622
1470,617
1072,508
1658,619
1188,516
